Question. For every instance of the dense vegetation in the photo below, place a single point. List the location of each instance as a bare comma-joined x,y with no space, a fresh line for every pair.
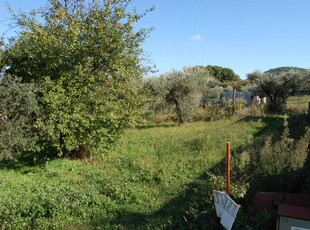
84,60
158,177
147,180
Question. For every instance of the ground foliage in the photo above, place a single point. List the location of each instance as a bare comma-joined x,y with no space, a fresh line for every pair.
159,177
155,178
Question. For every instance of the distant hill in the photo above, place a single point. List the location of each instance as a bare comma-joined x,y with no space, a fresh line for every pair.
304,86
287,69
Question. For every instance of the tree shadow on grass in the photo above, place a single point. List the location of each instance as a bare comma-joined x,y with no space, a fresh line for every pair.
274,125
30,159
160,125
297,123
189,209
192,207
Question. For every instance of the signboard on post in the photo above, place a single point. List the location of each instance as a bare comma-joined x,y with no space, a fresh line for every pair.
226,208
230,211
219,201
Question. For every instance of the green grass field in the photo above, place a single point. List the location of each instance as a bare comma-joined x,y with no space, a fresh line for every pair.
157,177
299,100
152,177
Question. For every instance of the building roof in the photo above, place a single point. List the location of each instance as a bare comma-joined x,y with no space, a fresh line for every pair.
287,204
293,211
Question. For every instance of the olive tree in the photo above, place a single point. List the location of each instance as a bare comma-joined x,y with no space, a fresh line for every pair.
211,94
156,90
85,57
184,91
276,87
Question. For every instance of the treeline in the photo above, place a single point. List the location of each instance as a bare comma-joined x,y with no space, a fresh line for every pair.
197,90
186,91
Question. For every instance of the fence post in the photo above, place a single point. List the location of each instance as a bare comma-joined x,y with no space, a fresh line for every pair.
309,111
234,102
228,168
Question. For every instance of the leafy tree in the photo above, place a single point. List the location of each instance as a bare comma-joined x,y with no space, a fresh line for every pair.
238,85
85,56
183,92
304,76
211,94
276,87
156,91
222,74
219,73
19,111
186,90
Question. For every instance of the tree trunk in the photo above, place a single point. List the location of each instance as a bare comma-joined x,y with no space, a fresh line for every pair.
179,112
63,150
82,153
234,102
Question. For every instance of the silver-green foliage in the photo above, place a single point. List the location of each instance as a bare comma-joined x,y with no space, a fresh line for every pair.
276,87
185,90
156,89
182,92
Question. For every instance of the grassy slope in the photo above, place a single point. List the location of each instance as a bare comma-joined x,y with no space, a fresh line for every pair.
131,187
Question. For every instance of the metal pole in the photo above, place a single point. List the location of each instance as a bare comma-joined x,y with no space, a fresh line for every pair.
234,102
228,168
309,111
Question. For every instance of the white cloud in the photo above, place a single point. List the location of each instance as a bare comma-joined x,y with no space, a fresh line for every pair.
196,37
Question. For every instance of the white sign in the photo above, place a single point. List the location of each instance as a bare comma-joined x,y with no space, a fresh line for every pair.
230,211
226,208
219,201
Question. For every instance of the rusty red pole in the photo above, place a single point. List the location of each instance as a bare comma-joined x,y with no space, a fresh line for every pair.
228,168
309,111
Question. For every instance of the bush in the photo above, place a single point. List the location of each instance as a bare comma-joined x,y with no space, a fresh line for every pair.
279,165
18,113
86,58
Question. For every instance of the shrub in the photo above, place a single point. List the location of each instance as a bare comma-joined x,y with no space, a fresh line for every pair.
18,113
86,56
279,165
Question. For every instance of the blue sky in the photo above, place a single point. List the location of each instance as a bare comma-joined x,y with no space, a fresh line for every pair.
245,35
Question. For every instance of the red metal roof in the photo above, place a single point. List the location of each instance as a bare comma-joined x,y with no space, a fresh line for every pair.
293,211
265,201
288,204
